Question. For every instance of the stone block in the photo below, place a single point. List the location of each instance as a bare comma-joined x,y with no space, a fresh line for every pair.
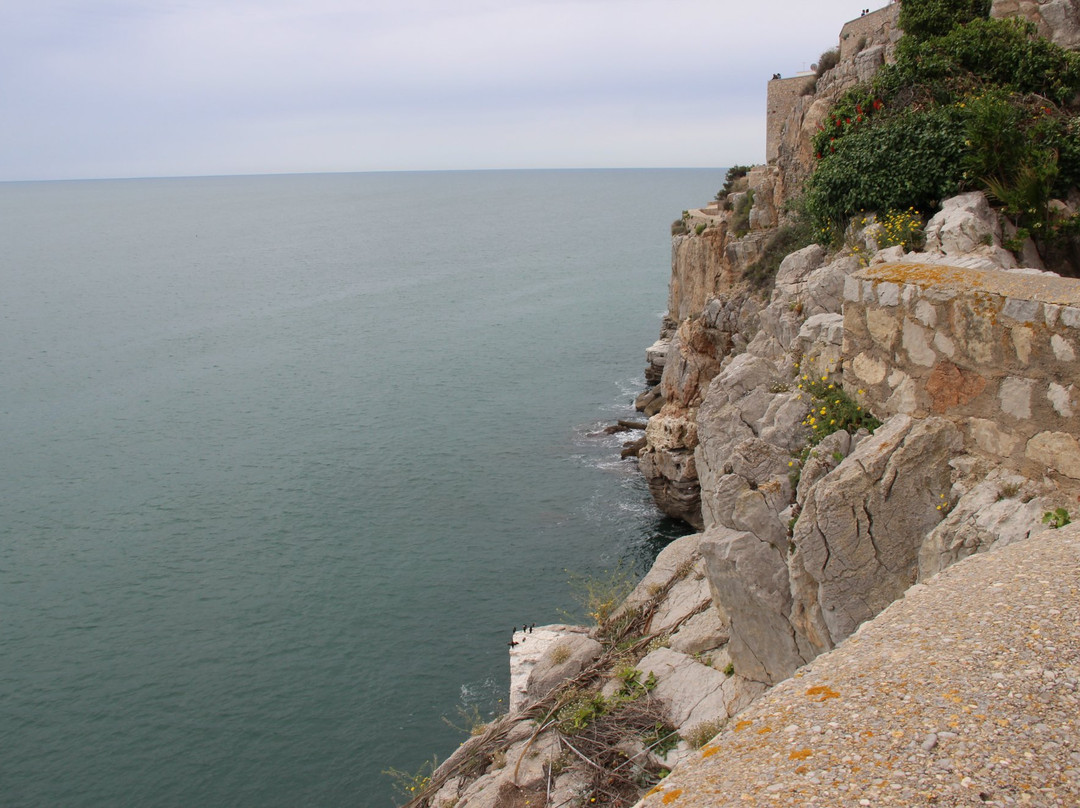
1063,349
882,326
988,437
949,386
869,369
1015,397
1060,399
1058,451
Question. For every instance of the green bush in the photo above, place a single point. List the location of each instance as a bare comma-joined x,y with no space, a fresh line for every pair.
969,103
740,222
793,235
920,19
903,161
827,61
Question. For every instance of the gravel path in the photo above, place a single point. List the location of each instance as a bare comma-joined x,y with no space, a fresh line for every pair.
965,692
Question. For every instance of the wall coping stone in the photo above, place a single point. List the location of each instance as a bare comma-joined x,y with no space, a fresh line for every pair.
1041,286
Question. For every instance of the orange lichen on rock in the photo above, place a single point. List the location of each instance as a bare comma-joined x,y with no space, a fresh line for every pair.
709,751
824,691
671,796
800,754
739,727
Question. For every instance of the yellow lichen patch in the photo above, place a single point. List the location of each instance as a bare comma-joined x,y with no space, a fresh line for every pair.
824,691
671,796
764,730
800,754
802,769
653,790
709,751
739,727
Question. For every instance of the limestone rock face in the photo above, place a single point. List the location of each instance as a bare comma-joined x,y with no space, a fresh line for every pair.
993,512
963,225
750,577
563,660
858,539
694,693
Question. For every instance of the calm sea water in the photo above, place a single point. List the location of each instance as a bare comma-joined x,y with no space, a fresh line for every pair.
286,458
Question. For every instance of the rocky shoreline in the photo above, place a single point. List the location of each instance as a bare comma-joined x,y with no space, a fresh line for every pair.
839,436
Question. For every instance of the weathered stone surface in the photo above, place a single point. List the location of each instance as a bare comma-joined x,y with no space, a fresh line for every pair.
1015,397
1057,451
989,437
564,660
963,225
671,475
858,537
796,267
822,460
524,656
991,513
949,386
750,579
694,693
704,631
672,562
689,594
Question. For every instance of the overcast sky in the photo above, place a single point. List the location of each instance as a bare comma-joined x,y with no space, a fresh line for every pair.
127,88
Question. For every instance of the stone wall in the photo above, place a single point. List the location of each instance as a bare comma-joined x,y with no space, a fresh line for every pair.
780,97
996,353
1057,20
875,28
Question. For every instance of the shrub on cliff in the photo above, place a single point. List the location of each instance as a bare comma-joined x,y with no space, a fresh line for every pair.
920,19
975,104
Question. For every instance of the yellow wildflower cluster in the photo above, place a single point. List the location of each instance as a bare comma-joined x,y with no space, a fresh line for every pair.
901,228
832,408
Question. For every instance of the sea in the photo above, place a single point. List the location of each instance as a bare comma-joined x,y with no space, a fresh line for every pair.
286,458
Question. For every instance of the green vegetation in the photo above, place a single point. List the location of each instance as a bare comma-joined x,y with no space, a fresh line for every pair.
832,409
796,233
583,708
701,734
731,181
827,61
1059,517
740,222
971,103
923,19
411,784
599,595
700,228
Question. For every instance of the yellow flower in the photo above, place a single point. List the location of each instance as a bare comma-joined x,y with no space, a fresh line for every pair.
824,378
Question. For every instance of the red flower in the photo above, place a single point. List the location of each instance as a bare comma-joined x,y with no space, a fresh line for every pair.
877,103
858,108
848,120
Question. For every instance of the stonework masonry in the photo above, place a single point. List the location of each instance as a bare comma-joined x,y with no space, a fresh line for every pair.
781,96
995,352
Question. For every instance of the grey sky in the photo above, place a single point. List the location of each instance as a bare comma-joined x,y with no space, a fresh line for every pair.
120,88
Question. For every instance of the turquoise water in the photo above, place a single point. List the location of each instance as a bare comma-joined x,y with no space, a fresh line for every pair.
285,459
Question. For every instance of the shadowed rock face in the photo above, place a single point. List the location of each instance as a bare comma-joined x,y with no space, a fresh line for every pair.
855,549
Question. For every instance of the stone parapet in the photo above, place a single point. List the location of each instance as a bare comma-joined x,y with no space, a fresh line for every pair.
995,352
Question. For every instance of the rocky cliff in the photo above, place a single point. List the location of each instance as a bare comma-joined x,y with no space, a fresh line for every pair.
838,433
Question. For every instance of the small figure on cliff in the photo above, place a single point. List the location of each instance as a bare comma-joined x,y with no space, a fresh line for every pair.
512,644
